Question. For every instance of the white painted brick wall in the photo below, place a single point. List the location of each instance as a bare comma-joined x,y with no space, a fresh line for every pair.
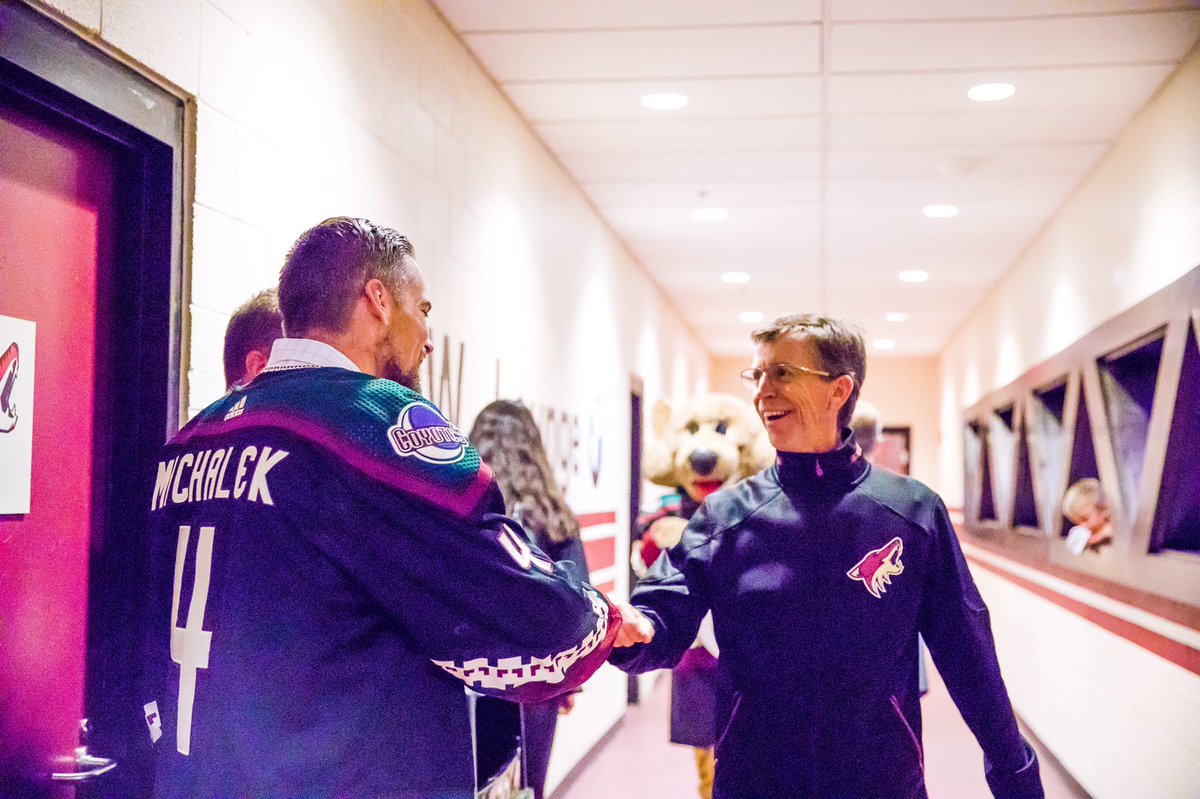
307,109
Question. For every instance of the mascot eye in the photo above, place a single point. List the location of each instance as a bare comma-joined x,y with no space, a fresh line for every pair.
722,426
693,428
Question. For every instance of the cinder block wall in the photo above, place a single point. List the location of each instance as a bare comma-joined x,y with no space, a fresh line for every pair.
305,110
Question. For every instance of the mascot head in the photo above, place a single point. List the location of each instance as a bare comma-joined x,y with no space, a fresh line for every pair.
709,443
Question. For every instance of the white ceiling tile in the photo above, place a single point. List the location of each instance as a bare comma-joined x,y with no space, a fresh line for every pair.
697,166
913,194
789,49
1018,160
1063,87
680,136
984,127
472,15
771,254
777,223
704,193
622,100
1160,37
843,10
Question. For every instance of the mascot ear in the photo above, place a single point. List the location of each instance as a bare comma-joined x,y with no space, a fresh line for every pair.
659,416
658,459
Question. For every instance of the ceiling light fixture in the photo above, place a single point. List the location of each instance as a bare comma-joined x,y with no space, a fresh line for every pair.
884,344
665,101
735,277
710,214
914,276
940,211
750,317
895,316
991,92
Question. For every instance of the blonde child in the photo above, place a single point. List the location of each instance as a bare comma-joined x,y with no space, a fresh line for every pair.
1086,507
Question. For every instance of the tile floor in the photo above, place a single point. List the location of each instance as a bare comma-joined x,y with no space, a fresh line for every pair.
638,760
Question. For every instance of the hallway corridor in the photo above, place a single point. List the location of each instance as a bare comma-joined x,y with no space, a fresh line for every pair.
639,761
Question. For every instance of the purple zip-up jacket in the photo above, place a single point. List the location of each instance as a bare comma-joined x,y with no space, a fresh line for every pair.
820,571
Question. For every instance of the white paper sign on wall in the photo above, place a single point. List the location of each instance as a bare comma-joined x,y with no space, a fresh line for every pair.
16,413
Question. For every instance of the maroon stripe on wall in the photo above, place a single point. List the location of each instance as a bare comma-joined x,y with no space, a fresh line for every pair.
1180,654
600,553
592,519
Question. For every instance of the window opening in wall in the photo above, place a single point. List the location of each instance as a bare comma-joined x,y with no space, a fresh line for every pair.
1047,449
894,450
971,472
1024,517
1083,454
979,464
1128,378
1002,447
1177,516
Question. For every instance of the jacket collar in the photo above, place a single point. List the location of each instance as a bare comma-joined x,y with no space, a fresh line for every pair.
822,474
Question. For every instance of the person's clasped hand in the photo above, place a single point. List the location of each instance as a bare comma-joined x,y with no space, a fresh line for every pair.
635,628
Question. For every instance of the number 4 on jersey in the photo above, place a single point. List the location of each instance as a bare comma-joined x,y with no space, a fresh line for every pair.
190,644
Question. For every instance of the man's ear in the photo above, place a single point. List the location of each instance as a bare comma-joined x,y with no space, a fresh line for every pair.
379,299
843,387
256,361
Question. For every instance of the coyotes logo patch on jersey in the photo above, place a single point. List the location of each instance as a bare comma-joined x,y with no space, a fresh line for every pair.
878,566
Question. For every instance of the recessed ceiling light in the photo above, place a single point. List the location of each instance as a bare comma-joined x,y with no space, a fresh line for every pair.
665,101
710,214
991,92
940,211
896,316
750,316
884,344
914,276
735,277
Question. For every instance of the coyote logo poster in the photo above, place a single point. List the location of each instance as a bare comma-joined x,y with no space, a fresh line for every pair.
16,413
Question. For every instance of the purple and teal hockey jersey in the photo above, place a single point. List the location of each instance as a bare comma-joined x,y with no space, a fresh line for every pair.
820,571
330,567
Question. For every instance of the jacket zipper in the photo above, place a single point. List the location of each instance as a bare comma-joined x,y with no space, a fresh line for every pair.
911,735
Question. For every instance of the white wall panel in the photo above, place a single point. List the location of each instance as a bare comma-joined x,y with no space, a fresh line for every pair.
1122,720
307,110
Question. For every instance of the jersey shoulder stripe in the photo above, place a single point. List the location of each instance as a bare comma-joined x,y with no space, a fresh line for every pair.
376,427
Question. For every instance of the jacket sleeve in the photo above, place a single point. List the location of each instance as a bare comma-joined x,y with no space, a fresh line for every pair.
674,596
957,629
472,594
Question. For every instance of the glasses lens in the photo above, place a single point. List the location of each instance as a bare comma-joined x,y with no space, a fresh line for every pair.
751,377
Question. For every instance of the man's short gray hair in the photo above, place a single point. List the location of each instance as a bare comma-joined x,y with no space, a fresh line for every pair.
839,345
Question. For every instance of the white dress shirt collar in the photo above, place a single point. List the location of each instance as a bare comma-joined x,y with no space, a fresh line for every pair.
298,353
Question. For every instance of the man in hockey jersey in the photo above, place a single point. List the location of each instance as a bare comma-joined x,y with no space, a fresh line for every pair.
820,571
333,565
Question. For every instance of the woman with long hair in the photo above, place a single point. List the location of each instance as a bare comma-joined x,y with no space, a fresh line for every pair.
508,441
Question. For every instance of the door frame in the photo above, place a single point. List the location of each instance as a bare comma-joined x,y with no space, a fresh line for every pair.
55,74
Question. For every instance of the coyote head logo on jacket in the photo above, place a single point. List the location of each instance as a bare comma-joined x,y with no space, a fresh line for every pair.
878,566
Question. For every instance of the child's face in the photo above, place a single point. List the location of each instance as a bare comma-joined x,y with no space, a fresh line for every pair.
1092,516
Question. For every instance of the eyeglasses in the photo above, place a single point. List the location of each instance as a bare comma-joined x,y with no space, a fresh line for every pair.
779,373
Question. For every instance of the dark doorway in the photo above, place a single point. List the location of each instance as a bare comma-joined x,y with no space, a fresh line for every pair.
635,492
90,203
894,451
